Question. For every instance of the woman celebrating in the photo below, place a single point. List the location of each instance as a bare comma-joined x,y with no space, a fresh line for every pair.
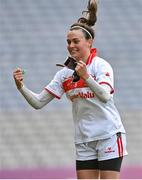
99,133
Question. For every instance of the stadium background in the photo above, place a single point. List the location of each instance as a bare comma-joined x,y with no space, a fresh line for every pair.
39,144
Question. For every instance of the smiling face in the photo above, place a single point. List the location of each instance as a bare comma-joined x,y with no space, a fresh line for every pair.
77,45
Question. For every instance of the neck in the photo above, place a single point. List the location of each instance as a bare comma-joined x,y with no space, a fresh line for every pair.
85,58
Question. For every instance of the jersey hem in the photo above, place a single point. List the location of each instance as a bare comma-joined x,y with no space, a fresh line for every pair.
98,138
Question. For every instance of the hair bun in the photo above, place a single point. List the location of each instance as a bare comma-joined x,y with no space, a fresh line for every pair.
90,15
92,5
88,20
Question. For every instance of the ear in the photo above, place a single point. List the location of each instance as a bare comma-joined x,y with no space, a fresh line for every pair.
90,42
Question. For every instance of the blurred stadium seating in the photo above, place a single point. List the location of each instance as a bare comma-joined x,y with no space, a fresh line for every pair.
33,36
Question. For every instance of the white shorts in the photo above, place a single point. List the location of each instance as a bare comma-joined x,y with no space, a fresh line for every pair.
105,149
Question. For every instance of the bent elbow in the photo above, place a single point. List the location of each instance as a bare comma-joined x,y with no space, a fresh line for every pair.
36,107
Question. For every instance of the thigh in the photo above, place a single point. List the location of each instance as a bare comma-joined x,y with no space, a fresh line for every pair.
110,169
109,175
88,174
111,164
86,161
110,156
87,165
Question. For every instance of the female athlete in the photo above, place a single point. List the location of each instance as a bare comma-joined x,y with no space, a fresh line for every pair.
100,139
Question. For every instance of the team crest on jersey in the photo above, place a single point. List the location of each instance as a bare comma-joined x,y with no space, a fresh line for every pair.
107,74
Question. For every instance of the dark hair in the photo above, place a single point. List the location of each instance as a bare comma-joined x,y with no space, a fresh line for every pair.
88,20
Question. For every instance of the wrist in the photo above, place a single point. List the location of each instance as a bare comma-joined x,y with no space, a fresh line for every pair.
20,86
85,77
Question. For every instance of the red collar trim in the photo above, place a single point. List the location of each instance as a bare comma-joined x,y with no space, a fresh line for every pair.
93,53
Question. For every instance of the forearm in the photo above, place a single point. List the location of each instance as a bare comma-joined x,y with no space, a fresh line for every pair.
102,92
37,101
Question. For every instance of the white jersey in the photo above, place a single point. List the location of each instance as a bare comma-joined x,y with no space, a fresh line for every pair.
93,119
